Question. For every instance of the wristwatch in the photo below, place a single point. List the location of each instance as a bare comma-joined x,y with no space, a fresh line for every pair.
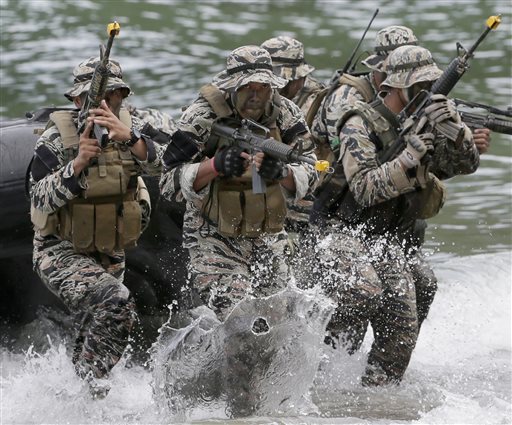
135,136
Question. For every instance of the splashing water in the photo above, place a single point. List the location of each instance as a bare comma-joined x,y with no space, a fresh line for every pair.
262,360
460,371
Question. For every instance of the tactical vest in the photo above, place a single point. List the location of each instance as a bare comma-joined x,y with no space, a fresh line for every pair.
231,204
107,215
334,199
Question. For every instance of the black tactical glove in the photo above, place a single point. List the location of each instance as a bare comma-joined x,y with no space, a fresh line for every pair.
228,162
272,169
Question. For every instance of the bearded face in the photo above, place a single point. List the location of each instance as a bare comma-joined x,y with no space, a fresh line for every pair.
250,100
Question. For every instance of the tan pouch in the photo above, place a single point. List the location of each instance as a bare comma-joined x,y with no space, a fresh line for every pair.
142,191
129,225
254,214
435,196
275,209
45,223
82,227
65,223
106,181
230,213
105,229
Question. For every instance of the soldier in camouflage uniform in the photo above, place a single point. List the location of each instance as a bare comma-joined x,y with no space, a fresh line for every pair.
364,88
288,62
88,204
381,198
235,237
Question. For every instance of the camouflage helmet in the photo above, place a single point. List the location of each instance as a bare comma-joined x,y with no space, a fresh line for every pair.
248,64
82,76
387,40
408,65
287,57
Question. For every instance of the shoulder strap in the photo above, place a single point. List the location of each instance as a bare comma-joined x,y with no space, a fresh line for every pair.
362,85
315,105
67,129
216,99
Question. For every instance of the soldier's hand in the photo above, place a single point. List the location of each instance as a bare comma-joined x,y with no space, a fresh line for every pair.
270,168
104,117
482,139
417,146
230,161
88,149
441,109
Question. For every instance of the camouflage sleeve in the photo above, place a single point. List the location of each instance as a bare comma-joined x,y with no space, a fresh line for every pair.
450,159
369,181
58,185
153,164
294,130
195,123
157,119
343,97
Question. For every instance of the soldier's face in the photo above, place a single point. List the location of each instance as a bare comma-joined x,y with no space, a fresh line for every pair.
114,99
251,99
292,88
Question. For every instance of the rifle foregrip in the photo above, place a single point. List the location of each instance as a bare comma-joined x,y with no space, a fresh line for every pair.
446,82
276,149
500,126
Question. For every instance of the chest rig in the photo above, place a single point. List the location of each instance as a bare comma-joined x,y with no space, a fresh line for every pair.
231,204
107,215
334,199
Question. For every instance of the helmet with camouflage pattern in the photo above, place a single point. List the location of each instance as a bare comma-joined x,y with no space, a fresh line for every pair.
387,40
248,64
408,65
287,57
82,76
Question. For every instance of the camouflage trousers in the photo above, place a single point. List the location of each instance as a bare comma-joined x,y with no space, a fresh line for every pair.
370,281
90,286
223,271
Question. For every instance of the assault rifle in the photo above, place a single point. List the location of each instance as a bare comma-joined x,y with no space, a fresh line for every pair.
349,67
245,138
98,87
494,119
443,85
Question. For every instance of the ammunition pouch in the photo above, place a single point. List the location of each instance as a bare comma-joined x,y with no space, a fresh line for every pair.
104,226
432,198
108,216
237,211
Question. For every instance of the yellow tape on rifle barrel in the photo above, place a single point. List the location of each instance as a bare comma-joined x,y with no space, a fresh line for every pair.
493,21
113,26
322,166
